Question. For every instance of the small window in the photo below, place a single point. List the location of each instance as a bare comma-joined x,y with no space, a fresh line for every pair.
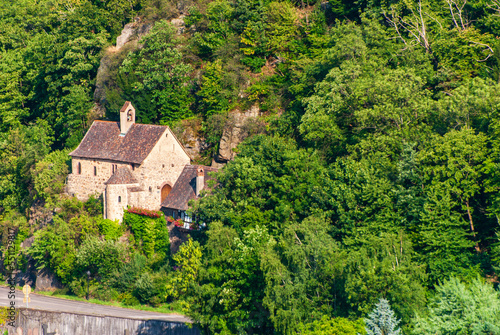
95,170
119,199
163,165
79,168
150,189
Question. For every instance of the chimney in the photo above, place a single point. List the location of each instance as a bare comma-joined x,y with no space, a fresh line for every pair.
127,117
200,180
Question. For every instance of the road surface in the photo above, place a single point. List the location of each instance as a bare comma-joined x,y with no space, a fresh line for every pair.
42,302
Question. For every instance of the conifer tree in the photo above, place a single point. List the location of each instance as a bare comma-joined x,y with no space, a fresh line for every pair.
382,320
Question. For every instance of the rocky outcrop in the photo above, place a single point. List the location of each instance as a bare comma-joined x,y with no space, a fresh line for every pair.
114,56
47,281
179,24
189,133
235,131
133,31
39,215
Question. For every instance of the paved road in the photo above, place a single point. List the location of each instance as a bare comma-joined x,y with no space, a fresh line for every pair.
45,303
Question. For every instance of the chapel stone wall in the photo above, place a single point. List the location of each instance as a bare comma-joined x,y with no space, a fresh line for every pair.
116,201
89,178
163,165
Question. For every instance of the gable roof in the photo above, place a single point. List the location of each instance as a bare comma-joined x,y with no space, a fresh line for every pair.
185,187
103,141
125,106
122,176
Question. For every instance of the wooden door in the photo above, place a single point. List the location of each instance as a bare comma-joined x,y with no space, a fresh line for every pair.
165,190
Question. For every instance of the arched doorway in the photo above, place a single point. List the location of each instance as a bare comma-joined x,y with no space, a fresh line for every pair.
165,190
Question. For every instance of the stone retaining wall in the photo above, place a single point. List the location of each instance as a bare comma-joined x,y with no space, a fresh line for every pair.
36,322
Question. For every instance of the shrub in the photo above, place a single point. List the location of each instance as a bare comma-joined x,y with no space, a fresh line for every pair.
328,326
111,230
128,299
99,257
151,234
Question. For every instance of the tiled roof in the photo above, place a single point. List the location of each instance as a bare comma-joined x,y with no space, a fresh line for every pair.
122,176
125,106
185,187
103,141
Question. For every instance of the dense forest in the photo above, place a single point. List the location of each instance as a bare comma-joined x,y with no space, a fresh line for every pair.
365,197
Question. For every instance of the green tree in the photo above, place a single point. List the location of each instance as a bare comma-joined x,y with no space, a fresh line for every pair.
460,308
382,320
162,73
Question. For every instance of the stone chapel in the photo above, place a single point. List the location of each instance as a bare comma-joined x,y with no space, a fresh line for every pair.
130,164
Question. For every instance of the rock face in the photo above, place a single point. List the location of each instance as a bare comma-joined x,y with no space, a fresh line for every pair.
234,133
131,34
40,216
47,281
189,133
133,31
179,24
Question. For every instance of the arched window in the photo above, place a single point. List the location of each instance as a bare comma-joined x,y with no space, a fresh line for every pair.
129,115
150,189
95,170
119,199
79,168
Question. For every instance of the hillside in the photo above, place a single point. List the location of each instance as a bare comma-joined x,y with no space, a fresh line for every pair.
369,166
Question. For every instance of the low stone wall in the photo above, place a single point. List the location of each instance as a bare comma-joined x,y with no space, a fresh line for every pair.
36,322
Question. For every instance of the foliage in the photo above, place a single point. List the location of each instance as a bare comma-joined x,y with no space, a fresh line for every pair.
161,72
145,212
327,326
378,176
50,174
99,257
458,307
150,233
382,320
188,260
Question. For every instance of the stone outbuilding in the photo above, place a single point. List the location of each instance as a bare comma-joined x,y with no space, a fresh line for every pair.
130,164
193,179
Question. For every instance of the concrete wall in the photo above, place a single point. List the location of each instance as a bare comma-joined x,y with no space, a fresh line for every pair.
78,324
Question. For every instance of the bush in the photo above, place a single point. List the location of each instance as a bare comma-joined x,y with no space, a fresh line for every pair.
128,299
124,277
328,326
144,288
150,234
99,257
111,230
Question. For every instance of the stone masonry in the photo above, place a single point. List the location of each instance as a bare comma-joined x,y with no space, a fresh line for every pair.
130,164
